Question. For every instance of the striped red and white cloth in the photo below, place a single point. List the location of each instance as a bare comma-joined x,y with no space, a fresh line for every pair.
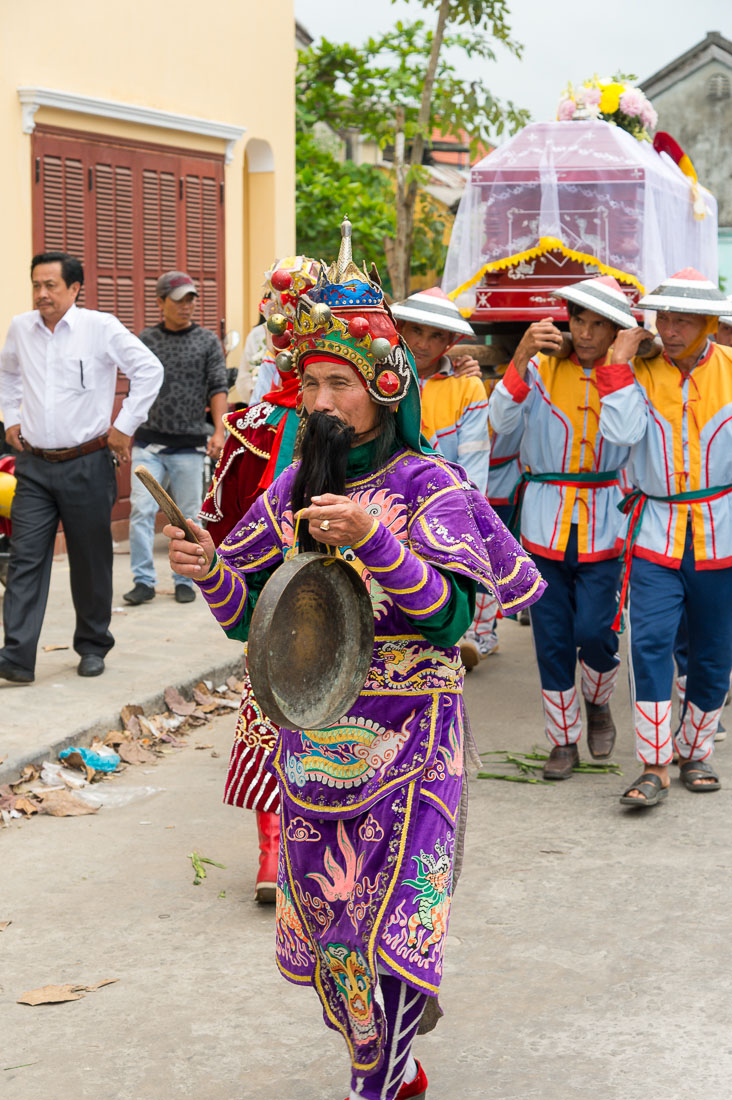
249,784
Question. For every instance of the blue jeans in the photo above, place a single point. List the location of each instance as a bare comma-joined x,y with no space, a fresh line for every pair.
182,475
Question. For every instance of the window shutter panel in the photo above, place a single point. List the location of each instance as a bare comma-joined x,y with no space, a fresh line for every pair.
63,205
159,233
203,243
114,240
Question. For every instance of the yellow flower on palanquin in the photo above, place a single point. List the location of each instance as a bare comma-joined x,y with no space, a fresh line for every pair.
610,99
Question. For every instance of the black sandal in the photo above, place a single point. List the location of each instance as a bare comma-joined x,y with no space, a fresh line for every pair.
690,773
655,794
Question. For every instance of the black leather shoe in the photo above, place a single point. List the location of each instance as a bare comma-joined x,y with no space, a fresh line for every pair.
561,760
91,665
15,674
141,593
184,593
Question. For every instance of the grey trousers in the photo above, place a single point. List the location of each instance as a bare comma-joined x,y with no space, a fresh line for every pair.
80,494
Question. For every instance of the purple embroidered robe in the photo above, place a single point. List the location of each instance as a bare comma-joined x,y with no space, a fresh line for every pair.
370,805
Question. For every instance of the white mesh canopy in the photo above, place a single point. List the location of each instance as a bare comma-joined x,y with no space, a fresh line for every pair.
591,187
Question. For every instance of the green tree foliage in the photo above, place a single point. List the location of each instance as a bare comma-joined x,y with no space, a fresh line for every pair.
328,189
358,88
395,90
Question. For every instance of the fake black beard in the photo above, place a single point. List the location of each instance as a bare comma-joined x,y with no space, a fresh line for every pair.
324,450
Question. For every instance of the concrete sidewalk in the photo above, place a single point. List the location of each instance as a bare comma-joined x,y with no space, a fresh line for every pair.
157,644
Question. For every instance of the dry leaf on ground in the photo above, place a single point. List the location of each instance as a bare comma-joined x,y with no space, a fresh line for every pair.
29,774
64,804
7,797
55,994
130,712
76,760
148,726
26,805
171,740
116,737
204,746
175,702
134,753
98,985
53,648
4,924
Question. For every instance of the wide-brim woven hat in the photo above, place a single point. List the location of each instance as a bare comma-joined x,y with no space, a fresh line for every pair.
688,291
434,309
726,318
602,295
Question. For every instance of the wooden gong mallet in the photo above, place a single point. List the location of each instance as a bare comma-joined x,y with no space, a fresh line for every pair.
166,502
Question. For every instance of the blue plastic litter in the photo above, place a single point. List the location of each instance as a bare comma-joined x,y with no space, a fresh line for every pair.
106,762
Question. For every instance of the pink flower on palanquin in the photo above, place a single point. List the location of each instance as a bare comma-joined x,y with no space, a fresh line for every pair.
566,110
591,97
385,507
649,117
631,103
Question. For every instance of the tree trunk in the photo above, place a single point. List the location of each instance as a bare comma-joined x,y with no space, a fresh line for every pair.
406,193
399,284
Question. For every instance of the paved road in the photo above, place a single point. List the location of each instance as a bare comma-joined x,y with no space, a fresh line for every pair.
588,956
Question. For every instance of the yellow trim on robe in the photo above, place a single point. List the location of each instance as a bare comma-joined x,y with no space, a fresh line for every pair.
709,391
570,389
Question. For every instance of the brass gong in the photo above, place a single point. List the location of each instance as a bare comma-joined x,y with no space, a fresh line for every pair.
311,641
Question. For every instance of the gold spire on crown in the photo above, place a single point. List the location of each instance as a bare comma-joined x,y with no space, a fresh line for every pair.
344,269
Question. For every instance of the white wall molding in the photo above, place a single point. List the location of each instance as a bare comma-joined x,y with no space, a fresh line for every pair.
33,98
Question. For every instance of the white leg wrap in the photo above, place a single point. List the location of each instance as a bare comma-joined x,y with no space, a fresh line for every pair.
486,608
681,690
597,687
653,732
562,716
695,739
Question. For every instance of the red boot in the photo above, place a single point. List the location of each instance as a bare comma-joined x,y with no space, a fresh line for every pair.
416,1089
268,827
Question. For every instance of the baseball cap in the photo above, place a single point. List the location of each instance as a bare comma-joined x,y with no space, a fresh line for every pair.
175,285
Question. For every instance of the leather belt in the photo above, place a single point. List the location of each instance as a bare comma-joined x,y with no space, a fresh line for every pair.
63,454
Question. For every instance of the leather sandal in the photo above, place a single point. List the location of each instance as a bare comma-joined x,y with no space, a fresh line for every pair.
654,793
692,772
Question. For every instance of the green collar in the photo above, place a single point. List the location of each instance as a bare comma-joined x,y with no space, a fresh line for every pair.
361,458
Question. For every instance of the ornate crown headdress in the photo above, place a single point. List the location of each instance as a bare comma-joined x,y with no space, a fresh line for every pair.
344,314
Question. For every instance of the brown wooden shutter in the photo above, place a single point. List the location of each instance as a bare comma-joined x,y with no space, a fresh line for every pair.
131,212
59,203
204,239
159,232
113,187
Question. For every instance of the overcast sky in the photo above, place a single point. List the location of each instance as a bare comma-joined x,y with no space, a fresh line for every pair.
564,40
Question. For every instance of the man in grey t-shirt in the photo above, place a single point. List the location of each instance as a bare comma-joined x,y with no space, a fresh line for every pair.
172,442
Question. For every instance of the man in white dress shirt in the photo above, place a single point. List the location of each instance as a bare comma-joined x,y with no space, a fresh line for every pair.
58,373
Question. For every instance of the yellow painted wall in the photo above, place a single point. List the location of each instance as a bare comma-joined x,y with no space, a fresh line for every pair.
232,61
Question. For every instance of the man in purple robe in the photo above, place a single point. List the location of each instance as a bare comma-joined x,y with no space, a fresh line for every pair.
373,808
